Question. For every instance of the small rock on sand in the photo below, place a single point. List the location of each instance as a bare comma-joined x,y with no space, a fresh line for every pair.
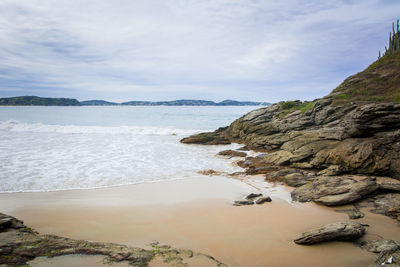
262,200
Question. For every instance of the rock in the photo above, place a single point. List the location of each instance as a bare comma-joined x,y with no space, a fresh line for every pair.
252,196
377,246
331,171
331,232
335,190
247,163
310,174
353,213
262,200
243,148
296,179
390,258
209,172
391,187
232,153
19,244
284,172
387,204
243,203
260,170
210,138
262,155
7,222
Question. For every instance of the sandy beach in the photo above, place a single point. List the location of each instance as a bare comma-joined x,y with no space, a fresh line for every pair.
196,214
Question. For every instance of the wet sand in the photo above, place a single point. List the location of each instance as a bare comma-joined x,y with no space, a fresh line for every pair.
197,214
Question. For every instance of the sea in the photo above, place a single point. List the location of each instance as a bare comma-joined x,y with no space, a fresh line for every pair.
62,148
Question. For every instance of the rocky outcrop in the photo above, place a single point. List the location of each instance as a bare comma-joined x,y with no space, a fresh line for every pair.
335,190
213,138
355,129
20,244
316,146
355,139
331,232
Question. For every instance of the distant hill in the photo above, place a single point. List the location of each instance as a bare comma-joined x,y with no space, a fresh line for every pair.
44,101
97,103
38,101
191,102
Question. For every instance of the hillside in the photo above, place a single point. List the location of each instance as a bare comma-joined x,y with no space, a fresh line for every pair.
38,101
97,103
380,82
42,101
193,102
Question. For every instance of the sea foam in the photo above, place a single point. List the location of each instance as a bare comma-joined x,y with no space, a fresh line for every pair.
43,157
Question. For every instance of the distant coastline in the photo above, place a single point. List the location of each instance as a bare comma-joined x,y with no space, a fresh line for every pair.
45,101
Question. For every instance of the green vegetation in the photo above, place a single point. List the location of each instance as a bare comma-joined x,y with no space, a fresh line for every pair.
290,106
394,41
37,101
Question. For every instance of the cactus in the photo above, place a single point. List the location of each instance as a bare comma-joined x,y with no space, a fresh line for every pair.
394,40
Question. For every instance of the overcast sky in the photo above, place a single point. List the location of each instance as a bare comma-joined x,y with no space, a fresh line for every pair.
123,50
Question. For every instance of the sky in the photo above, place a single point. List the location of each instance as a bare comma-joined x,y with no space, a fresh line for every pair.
123,50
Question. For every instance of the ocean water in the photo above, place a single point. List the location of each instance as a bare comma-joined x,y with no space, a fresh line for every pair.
59,148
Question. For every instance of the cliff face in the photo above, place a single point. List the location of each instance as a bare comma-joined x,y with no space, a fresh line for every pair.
356,127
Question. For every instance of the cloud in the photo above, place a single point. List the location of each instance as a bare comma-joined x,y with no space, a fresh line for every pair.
156,50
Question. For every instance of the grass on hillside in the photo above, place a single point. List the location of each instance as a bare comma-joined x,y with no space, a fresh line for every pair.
290,106
380,82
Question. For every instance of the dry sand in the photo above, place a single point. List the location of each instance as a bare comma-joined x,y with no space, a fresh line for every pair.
196,214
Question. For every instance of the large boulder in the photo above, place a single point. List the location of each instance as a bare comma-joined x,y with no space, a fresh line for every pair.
335,190
331,232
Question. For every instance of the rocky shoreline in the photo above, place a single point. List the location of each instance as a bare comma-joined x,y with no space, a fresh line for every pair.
341,149
19,244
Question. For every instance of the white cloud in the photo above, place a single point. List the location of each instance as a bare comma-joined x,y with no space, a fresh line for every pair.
169,49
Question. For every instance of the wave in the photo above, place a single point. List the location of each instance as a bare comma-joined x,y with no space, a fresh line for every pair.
17,126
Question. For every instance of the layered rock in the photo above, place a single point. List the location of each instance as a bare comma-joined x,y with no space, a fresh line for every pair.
356,128
335,190
378,246
213,138
232,153
359,139
331,232
20,244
